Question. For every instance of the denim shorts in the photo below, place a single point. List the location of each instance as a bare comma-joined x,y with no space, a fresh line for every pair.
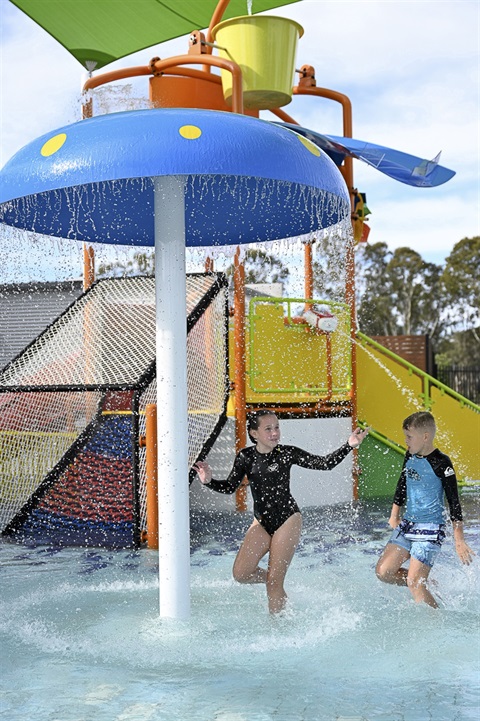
424,551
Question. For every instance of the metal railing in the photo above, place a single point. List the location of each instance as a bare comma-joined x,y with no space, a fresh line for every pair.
428,381
463,379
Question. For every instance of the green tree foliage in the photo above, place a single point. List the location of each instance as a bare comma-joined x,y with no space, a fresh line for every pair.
260,267
142,263
398,293
329,267
460,348
373,291
417,293
461,277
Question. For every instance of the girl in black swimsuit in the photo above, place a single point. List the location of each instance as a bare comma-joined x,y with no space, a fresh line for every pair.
278,522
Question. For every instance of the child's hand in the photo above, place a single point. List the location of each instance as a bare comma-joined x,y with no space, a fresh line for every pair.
464,552
357,437
393,521
204,471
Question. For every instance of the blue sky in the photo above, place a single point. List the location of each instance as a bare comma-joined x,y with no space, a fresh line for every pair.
411,70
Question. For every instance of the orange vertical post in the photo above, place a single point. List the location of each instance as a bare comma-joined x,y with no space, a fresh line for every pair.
308,270
88,279
88,266
151,474
240,360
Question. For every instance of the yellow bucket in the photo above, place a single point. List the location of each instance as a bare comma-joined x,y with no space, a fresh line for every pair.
264,47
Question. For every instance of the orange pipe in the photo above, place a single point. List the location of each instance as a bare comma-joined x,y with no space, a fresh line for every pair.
216,18
158,67
113,75
284,116
240,360
328,341
88,266
237,81
306,409
344,101
151,478
308,272
196,74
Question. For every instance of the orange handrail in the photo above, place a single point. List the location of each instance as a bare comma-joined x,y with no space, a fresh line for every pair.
159,67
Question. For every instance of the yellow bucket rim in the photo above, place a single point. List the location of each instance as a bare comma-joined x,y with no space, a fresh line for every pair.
230,21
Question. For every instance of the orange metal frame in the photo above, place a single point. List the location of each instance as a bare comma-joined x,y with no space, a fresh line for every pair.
149,442
172,66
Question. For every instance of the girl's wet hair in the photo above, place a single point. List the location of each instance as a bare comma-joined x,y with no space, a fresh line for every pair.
253,421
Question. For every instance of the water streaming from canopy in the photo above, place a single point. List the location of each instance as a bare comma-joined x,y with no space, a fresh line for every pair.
172,178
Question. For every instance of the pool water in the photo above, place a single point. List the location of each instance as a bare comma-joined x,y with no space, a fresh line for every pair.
82,640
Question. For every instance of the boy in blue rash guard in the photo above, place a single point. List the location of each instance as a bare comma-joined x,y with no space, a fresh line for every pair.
427,475
277,519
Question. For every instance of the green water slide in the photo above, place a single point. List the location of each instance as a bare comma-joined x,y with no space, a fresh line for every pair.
390,389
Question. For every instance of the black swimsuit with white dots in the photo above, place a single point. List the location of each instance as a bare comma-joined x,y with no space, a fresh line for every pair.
269,478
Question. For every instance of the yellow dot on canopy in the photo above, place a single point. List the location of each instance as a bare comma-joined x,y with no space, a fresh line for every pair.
314,149
190,132
54,144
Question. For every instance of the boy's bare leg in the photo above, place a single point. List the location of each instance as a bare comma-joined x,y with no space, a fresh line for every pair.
389,567
254,546
282,548
417,583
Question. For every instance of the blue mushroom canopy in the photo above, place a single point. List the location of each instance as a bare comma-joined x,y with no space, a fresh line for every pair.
246,180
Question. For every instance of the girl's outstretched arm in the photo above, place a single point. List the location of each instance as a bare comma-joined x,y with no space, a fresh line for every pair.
204,471
357,437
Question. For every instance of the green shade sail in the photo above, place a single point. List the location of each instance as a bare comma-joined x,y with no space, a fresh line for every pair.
97,32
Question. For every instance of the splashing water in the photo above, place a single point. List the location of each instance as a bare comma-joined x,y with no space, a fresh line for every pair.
404,390
83,639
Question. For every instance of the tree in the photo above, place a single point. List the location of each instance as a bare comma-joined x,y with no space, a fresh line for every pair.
417,293
462,284
398,293
374,301
142,263
260,267
461,348
329,266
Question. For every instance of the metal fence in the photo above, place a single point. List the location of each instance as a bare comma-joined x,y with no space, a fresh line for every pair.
463,379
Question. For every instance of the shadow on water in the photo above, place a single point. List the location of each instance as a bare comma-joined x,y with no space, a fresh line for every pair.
83,640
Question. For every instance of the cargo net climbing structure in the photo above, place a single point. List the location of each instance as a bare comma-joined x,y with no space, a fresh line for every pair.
72,410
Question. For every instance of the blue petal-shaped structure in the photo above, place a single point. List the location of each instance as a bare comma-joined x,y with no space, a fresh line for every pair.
405,168
246,180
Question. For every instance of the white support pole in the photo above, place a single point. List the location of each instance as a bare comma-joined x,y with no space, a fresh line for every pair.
172,438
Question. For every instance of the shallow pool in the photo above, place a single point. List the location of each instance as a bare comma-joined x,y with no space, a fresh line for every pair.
82,640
